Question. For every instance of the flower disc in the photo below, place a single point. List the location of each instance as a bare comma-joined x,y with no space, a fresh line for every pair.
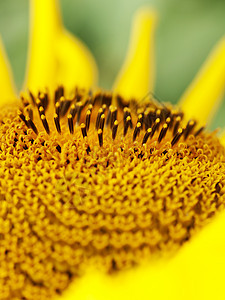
92,180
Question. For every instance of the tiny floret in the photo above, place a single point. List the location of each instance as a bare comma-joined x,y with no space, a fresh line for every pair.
88,180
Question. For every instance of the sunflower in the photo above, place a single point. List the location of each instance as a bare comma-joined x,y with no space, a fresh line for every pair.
108,194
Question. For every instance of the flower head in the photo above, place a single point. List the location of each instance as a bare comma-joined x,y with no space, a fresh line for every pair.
102,180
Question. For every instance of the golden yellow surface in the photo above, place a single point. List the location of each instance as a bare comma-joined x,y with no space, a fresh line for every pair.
202,98
65,209
7,86
119,213
55,56
137,75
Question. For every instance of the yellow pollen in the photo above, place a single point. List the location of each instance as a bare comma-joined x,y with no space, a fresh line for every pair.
84,183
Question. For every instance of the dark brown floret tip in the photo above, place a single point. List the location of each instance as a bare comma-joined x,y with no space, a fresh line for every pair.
152,121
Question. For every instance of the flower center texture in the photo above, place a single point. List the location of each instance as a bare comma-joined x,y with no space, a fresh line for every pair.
98,180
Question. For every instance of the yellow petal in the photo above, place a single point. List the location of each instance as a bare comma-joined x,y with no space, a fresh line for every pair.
44,27
196,272
55,57
201,264
203,97
77,65
136,77
7,85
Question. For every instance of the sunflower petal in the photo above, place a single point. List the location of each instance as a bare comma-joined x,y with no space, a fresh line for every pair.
202,98
45,23
77,65
7,85
201,263
196,272
55,56
136,77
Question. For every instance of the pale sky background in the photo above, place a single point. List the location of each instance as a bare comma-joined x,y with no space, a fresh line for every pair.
187,31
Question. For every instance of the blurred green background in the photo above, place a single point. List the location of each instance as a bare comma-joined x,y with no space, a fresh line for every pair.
187,31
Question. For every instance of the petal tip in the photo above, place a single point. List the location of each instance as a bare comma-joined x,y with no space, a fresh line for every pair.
136,77
202,98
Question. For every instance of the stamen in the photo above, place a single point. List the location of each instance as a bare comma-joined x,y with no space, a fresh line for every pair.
22,117
38,103
140,119
57,123
83,130
168,121
85,100
41,111
114,129
100,112
100,137
30,113
158,113
147,119
109,115
73,111
155,126
140,111
61,102
126,125
165,113
88,118
190,125
176,125
31,125
114,116
45,123
104,108
70,123
44,100
59,93
102,122
79,110
57,108
151,116
136,131
90,107
146,136
177,136
126,113
65,104
163,132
